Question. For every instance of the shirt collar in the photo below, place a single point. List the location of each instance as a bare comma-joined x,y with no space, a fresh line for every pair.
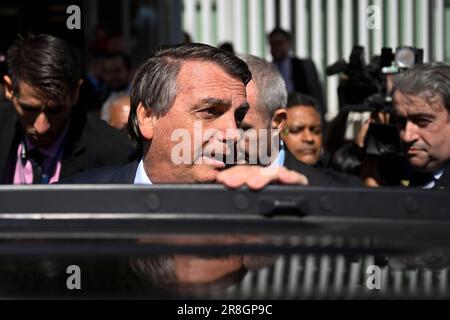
437,175
52,150
141,176
279,160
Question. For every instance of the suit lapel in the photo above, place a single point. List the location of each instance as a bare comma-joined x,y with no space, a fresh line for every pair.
72,160
74,147
443,183
316,176
126,174
291,163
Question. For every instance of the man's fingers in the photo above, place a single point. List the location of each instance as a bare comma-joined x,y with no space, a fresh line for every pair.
235,177
259,181
291,177
230,179
233,181
257,178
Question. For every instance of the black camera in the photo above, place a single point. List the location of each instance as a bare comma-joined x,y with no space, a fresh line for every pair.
363,87
357,82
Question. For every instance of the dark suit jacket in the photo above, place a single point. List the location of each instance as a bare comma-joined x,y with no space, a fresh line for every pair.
126,174
306,80
92,98
107,175
90,143
320,176
418,180
444,182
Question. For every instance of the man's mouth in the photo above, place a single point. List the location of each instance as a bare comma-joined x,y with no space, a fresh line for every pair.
215,160
218,159
308,151
413,151
40,140
219,164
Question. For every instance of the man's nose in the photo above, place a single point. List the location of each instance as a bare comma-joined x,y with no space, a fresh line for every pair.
307,136
41,124
229,133
229,136
409,133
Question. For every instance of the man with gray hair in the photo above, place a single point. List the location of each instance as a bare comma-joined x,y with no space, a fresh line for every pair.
268,92
267,98
177,90
116,109
421,98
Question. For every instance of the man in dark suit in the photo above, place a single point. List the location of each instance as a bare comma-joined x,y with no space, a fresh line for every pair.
300,75
187,106
421,98
267,98
44,136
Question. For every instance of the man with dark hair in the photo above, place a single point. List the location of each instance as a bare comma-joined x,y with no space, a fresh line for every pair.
303,132
43,136
300,75
117,71
93,91
296,98
187,105
421,98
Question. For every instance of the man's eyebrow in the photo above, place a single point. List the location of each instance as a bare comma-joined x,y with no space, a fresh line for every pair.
215,101
30,108
26,104
421,115
300,124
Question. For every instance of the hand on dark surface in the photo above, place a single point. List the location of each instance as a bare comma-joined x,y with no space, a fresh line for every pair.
256,177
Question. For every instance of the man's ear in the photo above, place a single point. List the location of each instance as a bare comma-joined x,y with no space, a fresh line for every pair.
9,92
279,119
146,120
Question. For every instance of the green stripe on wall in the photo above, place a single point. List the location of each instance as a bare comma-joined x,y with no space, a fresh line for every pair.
447,31
386,24
214,21
418,25
246,26
262,38
198,24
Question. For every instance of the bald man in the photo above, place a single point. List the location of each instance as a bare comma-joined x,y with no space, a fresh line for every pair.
116,109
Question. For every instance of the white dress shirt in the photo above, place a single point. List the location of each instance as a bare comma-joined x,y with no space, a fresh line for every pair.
141,176
436,176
